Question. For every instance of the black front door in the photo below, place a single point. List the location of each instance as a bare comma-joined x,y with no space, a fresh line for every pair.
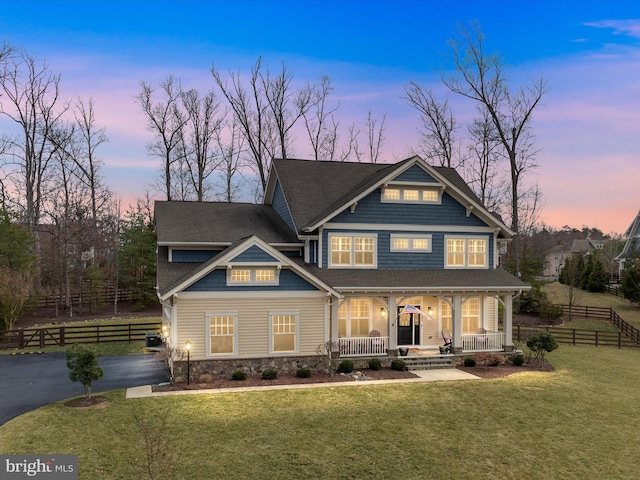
408,328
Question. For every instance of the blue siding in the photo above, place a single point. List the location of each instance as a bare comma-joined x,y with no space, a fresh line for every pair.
403,260
279,204
371,210
192,256
415,174
254,254
216,281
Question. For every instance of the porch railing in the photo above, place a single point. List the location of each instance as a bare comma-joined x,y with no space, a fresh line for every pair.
363,346
483,342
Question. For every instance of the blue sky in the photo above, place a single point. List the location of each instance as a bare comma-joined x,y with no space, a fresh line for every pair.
588,129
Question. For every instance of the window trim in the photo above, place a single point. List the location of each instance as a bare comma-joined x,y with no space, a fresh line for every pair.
353,252
465,252
348,305
295,314
208,317
413,188
252,275
411,238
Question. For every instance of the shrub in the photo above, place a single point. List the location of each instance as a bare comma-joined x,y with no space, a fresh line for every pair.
83,366
398,365
239,375
518,360
375,364
489,359
269,374
303,373
541,343
469,362
346,366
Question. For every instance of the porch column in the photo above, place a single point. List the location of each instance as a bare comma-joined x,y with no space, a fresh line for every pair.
334,319
508,323
456,324
392,322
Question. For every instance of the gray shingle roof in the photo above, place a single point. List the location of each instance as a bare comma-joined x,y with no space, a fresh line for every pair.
219,222
316,189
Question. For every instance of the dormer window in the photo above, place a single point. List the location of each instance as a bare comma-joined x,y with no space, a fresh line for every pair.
411,194
252,276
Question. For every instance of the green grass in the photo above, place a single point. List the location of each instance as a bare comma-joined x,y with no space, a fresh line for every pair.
577,422
629,312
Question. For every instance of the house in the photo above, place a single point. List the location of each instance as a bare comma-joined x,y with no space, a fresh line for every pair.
371,257
632,243
556,257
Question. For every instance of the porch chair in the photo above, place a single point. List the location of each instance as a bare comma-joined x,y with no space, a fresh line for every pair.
446,336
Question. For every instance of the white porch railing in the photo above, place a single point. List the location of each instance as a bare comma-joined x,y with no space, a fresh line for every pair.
483,342
363,346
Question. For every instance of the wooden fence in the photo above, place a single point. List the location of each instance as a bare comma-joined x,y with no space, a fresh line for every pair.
626,336
67,335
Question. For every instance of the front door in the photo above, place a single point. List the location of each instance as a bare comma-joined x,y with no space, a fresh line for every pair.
408,328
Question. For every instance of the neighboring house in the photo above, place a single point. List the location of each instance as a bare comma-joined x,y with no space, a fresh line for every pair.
336,253
632,242
556,257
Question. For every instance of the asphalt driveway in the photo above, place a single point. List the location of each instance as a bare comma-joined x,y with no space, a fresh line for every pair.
32,381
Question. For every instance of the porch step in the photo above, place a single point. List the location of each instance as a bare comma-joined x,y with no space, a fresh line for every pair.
429,363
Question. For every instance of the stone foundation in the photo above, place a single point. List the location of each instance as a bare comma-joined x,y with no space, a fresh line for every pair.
203,370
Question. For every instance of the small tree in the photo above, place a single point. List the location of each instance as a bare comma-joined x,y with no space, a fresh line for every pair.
83,365
541,343
331,350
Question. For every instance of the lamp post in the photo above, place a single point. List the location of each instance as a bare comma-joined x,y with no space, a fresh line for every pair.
188,347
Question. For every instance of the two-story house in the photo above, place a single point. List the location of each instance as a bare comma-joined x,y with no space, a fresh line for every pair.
371,257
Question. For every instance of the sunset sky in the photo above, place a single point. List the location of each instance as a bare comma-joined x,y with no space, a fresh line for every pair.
587,129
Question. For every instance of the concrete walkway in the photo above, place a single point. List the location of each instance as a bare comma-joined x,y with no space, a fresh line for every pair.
423,376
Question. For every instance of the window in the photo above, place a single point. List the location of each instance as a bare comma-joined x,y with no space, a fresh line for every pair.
466,252
411,195
352,251
353,318
284,328
222,338
470,315
410,243
253,276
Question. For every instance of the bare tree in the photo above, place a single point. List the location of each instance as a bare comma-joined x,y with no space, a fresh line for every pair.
319,122
375,136
165,121
31,100
438,123
481,79
202,127
230,151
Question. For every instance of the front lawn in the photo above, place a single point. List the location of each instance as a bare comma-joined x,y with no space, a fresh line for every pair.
577,422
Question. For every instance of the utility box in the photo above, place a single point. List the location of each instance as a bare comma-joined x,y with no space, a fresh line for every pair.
152,339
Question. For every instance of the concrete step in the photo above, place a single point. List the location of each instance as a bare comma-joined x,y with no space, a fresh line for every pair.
428,363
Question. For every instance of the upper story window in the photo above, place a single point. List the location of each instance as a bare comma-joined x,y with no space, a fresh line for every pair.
410,243
352,250
253,276
410,194
466,252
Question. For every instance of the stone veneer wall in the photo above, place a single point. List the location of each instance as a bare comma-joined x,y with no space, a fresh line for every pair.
200,369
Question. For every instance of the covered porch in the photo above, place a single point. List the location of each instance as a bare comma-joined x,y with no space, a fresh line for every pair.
380,325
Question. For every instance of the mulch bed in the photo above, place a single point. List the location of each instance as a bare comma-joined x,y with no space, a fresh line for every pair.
384,374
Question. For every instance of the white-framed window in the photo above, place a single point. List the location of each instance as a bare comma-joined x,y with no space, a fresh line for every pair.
253,276
222,337
283,332
470,315
411,194
352,250
410,243
466,252
354,318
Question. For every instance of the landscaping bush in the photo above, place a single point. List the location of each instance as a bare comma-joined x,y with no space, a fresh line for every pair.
269,374
239,375
346,366
469,362
303,373
375,364
398,365
518,360
541,343
490,359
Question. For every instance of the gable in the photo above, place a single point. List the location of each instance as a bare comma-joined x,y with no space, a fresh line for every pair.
253,254
415,174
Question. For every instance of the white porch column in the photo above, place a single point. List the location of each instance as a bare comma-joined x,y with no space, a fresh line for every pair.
456,324
392,322
334,319
508,322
